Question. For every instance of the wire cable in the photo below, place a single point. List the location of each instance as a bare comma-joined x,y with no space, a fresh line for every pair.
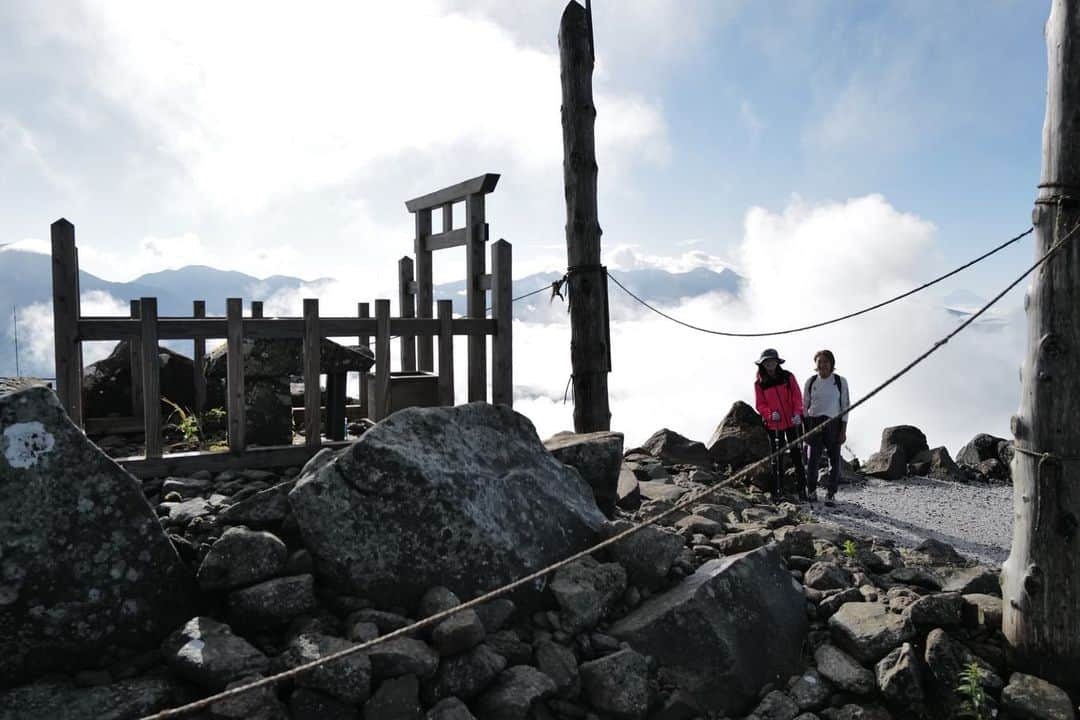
848,316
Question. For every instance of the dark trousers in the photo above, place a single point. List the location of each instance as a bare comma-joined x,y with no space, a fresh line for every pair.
780,438
825,442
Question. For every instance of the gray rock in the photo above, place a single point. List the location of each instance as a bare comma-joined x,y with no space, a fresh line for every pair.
887,464
396,699
402,656
647,555
827,575
942,466
982,610
674,449
514,693
308,704
437,600
917,576
465,676
739,439
981,447
558,663
706,631
450,709
1030,698
597,456
937,610
910,439
273,602
628,493
496,613
843,671
899,677
811,691
975,579
88,574
186,487
693,524
510,646
776,706
939,553
828,607
116,701
241,557
208,654
281,357
660,491
868,631
794,541
617,684
465,497
107,383
385,621
266,508
458,633
348,678
947,658
851,711
585,592
258,704
741,542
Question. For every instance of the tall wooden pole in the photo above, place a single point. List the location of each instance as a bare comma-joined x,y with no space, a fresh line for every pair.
1041,578
589,351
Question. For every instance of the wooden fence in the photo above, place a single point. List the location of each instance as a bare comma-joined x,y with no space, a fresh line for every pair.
417,328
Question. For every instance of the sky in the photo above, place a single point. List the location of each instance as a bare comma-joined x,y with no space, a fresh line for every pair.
829,151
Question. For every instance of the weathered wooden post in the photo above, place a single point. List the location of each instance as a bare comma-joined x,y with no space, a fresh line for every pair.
424,291
1041,578
502,307
382,360
198,357
151,376
234,373
363,310
135,365
312,348
407,309
589,351
446,353
68,349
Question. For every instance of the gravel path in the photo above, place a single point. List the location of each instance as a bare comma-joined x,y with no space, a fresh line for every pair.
975,519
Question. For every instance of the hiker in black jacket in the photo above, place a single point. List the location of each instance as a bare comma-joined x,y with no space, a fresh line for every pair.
825,395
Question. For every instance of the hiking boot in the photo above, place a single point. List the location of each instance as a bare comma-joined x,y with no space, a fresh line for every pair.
830,498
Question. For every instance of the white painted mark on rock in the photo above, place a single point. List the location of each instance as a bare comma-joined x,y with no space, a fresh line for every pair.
26,443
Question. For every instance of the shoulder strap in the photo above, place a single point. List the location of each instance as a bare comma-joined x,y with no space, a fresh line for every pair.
839,388
810,387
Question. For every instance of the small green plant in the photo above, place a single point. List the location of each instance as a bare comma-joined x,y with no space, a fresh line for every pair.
849,548
975,704
187,423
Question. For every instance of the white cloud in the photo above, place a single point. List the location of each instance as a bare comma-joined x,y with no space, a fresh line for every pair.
629,257
36,331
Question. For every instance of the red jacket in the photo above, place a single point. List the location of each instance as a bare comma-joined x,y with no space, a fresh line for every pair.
785,399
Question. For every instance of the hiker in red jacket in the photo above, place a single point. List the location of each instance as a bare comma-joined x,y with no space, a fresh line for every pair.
779,401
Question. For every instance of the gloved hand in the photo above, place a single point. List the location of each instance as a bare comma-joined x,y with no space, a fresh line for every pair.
796,419
776,416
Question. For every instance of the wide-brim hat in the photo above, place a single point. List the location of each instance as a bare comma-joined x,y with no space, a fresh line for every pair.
769,354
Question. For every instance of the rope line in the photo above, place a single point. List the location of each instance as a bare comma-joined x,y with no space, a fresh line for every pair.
686,501
848,316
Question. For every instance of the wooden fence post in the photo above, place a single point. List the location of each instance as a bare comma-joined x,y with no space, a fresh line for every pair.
198,356
425,291
502,345
446,353
256,308
135,358
312,361
382,360
589,352
1040,581
234,314
151,376
67,348
407,309
476,230
363,311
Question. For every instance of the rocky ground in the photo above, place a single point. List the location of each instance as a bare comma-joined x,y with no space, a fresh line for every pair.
123,598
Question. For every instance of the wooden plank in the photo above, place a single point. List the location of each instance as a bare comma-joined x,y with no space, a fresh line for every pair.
502,344
382,360
65,297
256,308
363,310
198,357
479,185
425,288
406,309
151,377
446,353
335,406
589,352
115,425
135,367
475,295
446,239
188,328
312,361
353,411
234,373
272,456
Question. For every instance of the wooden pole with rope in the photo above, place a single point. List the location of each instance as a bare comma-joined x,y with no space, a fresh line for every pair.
590,353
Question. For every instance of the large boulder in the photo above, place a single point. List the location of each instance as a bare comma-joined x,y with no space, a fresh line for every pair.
207,653
910,439
281,357
740,438
868,631
725,631
88,573
1027,697
983,447
60,700
942,466
107,383
674,449
597,456
466,497
887,464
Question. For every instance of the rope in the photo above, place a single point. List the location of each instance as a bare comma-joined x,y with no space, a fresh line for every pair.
789,331
684,502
